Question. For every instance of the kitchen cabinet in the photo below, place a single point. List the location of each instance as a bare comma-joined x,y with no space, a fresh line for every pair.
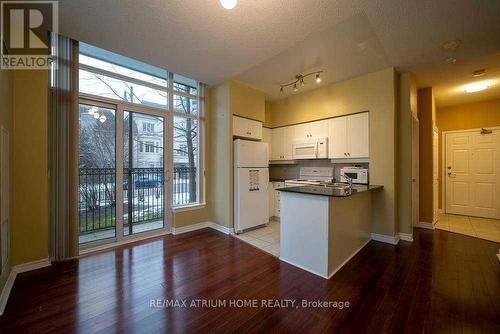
281,144
310,130
349,137
267,138
274,198
246,128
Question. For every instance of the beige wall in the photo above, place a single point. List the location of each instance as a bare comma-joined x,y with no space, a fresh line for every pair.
426,110
407,100
222,155
466,116
375,92
246,101
29,167
6,123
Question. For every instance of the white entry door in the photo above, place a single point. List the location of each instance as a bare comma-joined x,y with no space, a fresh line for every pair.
472,173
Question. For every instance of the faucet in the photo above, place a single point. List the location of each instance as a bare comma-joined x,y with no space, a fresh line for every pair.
349,180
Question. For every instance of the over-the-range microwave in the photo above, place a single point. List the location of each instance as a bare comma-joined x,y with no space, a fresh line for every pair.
316,148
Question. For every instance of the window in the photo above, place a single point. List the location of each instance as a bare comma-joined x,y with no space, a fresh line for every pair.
148,127
111,78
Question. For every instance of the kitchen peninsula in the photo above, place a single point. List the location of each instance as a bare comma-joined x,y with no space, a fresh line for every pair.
322,226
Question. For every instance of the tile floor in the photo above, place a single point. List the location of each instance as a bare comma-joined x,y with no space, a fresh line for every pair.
483,228
266,238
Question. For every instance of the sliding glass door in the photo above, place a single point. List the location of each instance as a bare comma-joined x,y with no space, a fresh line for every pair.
97,167
128,201
144,173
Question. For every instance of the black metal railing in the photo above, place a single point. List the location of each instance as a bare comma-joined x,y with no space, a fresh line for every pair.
97,196
184,186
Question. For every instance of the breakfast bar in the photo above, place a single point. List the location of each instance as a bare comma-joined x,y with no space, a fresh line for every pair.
322,227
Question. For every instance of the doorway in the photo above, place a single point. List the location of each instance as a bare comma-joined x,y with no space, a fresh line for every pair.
124,190
472,172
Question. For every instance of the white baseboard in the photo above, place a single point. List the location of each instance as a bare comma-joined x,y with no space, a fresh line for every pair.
426,225
199,226
6,290
190,228
221,228
20,268
388,239
303,268
406,237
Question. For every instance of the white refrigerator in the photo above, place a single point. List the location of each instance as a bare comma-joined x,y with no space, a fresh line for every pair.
251,182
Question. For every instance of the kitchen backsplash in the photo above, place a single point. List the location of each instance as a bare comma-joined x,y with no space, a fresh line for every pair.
292,171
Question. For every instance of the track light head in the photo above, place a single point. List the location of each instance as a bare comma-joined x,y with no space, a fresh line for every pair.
318,78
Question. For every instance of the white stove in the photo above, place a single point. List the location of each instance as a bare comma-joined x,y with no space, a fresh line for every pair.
311,176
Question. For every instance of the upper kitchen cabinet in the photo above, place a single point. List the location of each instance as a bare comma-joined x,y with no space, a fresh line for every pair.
247,128
349,137
281,144
310,130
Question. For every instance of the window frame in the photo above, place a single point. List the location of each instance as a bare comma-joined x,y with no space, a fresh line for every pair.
169,115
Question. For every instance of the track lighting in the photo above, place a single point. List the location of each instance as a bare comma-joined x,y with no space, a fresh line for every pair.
299,78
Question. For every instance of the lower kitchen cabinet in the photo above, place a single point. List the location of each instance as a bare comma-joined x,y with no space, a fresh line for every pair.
274,198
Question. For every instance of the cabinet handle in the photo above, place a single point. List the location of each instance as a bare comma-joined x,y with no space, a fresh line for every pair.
349,154
345,154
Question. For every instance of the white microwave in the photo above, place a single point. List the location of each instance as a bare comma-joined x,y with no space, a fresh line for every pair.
310,149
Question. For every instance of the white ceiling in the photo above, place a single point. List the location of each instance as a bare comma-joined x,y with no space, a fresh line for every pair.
267,42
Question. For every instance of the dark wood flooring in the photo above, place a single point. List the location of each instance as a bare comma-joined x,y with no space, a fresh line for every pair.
441,283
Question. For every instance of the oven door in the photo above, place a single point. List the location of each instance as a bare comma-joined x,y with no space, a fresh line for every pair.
305,150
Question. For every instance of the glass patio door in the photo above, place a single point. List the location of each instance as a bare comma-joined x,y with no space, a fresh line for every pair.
143,173
96,168
124,164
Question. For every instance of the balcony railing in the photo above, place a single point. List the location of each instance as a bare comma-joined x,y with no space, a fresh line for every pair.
97,196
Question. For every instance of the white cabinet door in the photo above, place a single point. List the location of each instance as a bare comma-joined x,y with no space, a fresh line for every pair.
288,143
277,197
272,195
337,142
277,146
318,129
267,138
255,129
300,132
358,136
247,128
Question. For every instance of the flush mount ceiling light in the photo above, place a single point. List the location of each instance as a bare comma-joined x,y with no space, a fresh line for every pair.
299,78
451,60
452,45
479,73
476,87
228,4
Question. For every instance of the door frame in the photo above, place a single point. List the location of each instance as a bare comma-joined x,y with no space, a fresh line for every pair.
443,159
120,107
415,168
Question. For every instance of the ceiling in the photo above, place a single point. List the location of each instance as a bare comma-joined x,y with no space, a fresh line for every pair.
267,42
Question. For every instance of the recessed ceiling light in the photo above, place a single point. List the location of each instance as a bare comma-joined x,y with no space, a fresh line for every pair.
452,45
228,4
451,60
479,73
476,87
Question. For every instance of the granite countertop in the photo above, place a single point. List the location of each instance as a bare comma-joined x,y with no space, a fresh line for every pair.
330,191
273,179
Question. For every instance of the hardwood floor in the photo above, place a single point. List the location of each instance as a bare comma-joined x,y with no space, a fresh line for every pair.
442,282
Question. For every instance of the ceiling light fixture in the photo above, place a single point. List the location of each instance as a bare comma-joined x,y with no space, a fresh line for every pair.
299,78
228,4
451,60
479,73
476,87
